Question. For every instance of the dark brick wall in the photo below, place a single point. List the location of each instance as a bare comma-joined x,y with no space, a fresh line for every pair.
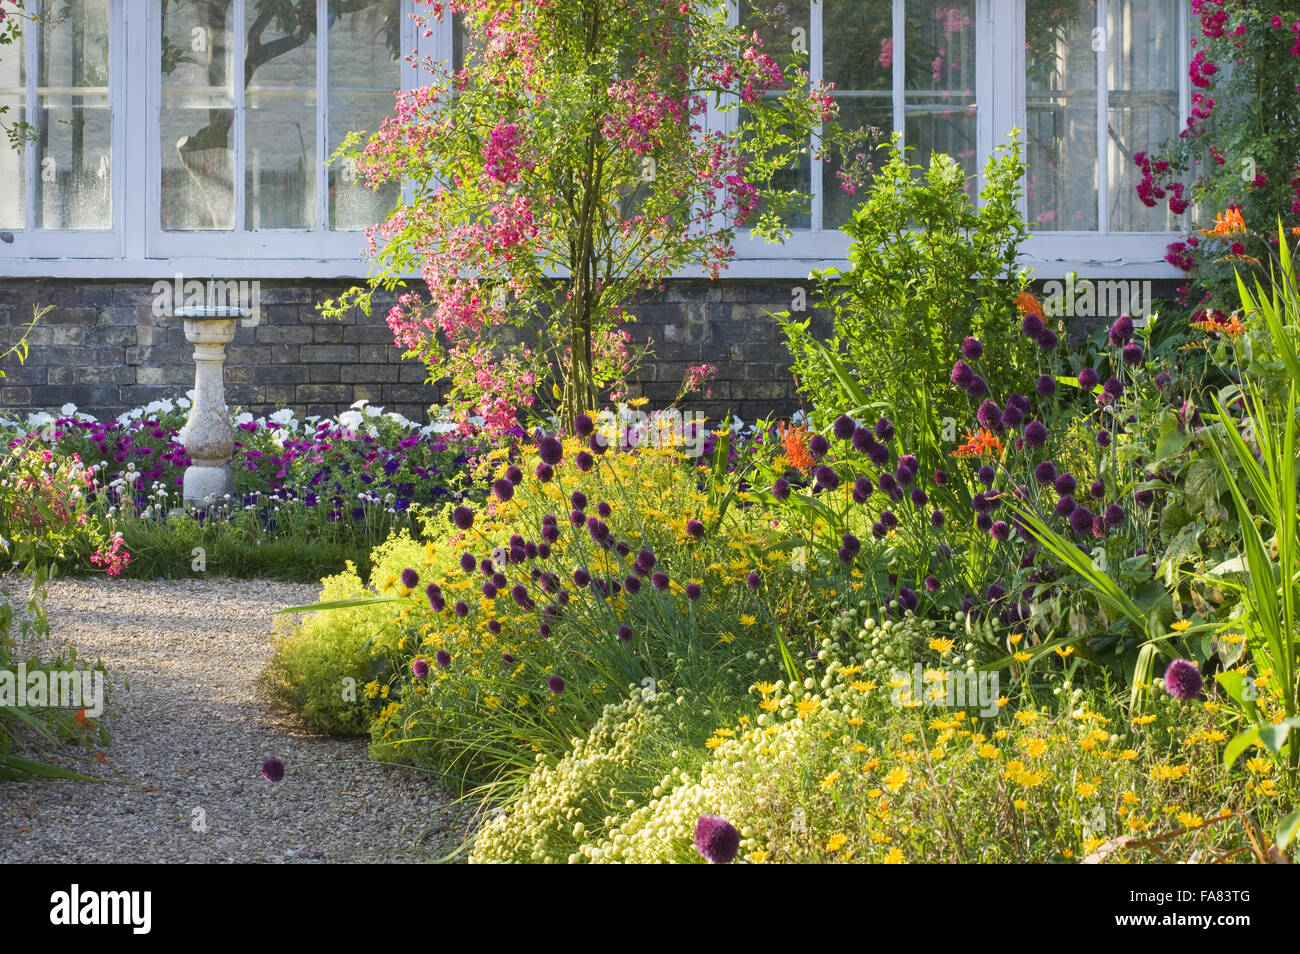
102,348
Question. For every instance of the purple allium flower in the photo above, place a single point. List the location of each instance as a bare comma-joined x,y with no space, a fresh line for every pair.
544,549
995,592
514,474
645,561
550,450
1081,520
625,633
1032,326
581,577
985,475
888,519
633,585
693,591
410,579
1097,489
1144,498
604,509
1027,560
443,658
1132,354
1001,531
879,455
1012,416
931,584
583,425
273,770
659,581
753,580
885,429
989,416
850,545
919,497
488,590
503,489
420,668
978,387
507,659
1045,386
781,489
1121,331
1183,680
555,684
462,517
984,522
862,439
1045,472
578,499
520,595
878,530
1163,380
1114,515
499,580
1088,379
967,603
494,627
1065,484
827,479
888,483
436,602
844,427
545,473
962,375
1048,339
1020,401
716,839
862,490
467,562
937,519
1035,433
584,461
940,478
1114,388
972,348
818,445
1065,506
694,529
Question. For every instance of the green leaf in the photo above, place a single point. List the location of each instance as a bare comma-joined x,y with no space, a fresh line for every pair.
1239,743
1286,830
1173,518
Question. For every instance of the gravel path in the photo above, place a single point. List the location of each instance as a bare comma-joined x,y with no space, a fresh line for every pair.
188,739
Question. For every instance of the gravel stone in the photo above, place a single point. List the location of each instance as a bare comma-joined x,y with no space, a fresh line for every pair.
189,737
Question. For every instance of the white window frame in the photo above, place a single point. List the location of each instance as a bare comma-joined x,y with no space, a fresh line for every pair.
137,247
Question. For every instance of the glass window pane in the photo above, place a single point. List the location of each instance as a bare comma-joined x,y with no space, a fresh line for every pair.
784,28
858,57
1142,54
281,162
197,121
73,152
13,79
939,83
364,69
1061,115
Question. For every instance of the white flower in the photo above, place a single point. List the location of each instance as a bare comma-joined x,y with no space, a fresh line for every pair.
350,418
38,419
183,402
244,418
282,416
361,403
374,411
373,431
68,410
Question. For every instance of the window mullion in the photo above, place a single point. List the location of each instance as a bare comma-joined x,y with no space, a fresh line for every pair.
240,54
815,70
1017,62
899,69
322,115
1103,109
32,41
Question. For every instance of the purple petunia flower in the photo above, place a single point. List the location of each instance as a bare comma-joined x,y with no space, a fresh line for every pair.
273,770
1183,680
972,348
716,839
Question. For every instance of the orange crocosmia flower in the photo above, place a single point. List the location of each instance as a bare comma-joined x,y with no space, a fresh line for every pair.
1233,327
794,441
1226,223
81,719
1028,304
982,443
